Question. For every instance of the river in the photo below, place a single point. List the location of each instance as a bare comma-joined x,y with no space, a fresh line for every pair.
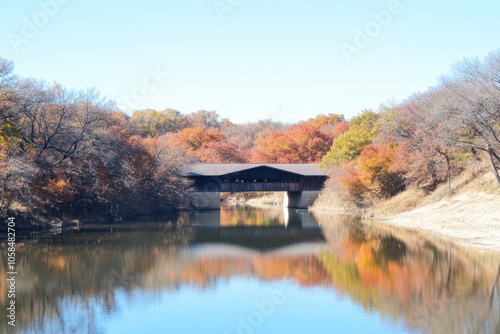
246,270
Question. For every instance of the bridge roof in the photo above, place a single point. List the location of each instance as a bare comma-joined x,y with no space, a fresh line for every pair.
224,169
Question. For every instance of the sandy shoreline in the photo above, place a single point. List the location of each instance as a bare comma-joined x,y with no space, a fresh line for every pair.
471,219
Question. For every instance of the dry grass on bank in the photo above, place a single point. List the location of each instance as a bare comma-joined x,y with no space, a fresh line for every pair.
469,214
481,182
334,200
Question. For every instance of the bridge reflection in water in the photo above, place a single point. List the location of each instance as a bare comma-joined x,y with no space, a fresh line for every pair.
281,228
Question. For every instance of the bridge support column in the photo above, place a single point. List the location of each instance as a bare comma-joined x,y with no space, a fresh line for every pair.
205,200
299,199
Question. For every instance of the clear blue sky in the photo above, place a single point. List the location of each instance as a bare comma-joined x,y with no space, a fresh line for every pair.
261,59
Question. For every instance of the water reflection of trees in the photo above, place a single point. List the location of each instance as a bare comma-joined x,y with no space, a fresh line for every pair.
433,287
87,268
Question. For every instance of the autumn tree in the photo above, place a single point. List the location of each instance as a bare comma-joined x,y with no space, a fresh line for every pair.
348,146
331,124
205,119
16,170
418,123
245,135
221,152
154,123
379,172
194,138
56,123
325,120
119,174
470,107
16,175
450,123
9,129
298,143
71,152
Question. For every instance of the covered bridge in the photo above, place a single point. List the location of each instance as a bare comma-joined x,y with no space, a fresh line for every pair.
300,182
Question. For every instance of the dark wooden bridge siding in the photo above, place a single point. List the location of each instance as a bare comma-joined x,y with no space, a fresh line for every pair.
258,186
258,179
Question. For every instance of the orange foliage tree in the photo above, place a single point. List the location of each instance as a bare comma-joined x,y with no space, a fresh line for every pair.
379,171
298,143
221,152
332,124
209,145
194,138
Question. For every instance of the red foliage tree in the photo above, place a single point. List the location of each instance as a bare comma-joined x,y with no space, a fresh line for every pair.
298,143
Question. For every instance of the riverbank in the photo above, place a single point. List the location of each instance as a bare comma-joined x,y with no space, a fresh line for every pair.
471,219
469,214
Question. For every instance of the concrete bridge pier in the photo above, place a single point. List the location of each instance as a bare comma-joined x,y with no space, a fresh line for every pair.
299,199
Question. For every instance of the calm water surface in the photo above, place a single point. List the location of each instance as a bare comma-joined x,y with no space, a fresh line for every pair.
248,271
